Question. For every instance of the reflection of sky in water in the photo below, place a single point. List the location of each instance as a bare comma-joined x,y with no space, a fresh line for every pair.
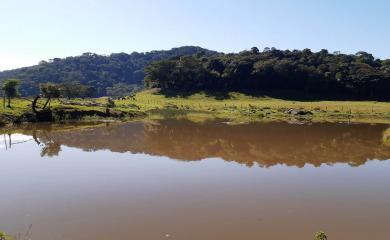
15,139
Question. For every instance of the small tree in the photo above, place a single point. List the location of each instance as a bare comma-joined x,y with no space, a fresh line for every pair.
75,89
10,89
320,236
110,104
49,91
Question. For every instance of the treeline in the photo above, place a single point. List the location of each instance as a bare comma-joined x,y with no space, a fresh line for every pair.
66,90
10,89
188,69
315,73
106,74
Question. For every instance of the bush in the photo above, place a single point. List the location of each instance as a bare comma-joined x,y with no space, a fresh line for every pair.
110,103
320,236
4,236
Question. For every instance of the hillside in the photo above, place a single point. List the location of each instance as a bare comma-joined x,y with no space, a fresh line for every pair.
283,74
98,71
304,74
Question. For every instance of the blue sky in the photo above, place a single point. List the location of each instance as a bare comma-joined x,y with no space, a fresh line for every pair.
44,29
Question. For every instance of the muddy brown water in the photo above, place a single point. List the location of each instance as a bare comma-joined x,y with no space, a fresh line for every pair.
175,179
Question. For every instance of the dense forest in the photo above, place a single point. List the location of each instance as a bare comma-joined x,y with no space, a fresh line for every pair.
189,69
115,74
309,73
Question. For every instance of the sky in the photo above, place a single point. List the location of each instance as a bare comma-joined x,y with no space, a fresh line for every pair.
34,30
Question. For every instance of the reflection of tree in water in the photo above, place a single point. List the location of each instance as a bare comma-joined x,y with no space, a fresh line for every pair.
51,149
269,144
265,144
386,137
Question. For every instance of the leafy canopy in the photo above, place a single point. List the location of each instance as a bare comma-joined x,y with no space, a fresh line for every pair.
10,88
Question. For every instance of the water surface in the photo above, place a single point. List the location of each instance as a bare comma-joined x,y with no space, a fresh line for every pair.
182,180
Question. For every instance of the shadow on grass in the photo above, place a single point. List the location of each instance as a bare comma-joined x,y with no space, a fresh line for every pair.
291,95
184,94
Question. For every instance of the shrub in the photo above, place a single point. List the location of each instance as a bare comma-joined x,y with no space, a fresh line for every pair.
4,236
320,236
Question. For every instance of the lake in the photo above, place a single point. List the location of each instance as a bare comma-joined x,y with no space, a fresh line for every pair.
176,179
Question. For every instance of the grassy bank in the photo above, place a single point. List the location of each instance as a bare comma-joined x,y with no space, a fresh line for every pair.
240,107
66,110
233,106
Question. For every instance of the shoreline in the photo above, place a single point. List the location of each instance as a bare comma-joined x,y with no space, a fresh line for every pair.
199,107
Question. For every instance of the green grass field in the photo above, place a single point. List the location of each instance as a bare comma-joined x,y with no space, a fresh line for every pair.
236,107
240,107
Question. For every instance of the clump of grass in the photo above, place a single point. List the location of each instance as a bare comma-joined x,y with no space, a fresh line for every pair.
320,236
4,236
386,137
91,118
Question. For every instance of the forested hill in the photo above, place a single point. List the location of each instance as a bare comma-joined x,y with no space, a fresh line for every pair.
320,73
104,73
189,69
